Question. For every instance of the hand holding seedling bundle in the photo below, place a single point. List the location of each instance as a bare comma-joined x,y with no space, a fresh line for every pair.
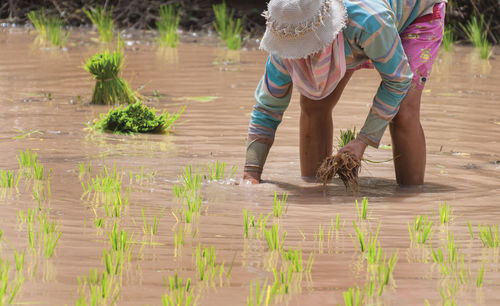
109,88
346,163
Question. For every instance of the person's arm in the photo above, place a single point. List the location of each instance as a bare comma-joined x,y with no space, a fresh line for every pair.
272,97
381,43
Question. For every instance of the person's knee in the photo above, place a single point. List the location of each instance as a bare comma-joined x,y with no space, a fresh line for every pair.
406,116
315,107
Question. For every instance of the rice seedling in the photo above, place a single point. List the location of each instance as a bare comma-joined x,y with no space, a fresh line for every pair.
8,179
445,213
274,242
205,263
9,287
282,280
470,230
102,19
448,38
216,171
476,30
84,169
354,297
120,239
136,118
49,234
345,137
421,230
109,87
489,236
103,289
113,262
362,210
167,25
260,294
480,277
142,177
191,209
99,222
151,229
320,235
258,223
19,259
179,239
361,237
228,27
39,20
385,270
294,257
279,206
27,159
448,262
179,293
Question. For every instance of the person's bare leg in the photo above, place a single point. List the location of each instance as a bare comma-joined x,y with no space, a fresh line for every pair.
408,141
316,129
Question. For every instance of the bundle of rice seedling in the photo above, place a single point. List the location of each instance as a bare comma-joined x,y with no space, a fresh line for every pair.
345,165
109,88
136,118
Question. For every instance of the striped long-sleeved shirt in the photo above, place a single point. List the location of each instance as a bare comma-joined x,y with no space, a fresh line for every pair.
372,33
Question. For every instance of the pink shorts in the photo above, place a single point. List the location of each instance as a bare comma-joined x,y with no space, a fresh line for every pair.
421,41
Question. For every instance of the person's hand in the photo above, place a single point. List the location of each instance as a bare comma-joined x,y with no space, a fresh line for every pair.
356,147
251,177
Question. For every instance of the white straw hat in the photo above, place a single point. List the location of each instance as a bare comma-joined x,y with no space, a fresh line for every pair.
298,28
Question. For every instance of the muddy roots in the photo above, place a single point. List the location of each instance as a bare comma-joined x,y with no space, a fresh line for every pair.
345,165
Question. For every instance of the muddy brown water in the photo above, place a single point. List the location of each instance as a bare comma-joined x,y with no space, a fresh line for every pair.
460,115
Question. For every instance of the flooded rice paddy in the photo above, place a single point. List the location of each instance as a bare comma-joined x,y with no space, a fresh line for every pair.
44,98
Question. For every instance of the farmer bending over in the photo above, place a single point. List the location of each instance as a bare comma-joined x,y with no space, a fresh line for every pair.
316,45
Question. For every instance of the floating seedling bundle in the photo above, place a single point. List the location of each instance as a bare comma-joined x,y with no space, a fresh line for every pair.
109,87
136,118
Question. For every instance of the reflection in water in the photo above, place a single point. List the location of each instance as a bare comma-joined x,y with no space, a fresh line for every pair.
460,103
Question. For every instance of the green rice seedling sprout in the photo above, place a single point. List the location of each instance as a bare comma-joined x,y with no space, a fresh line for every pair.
470,230
362,210
257,223
274,242
50,234
279,205
39,20
216,171
282,280
55,32
167,25
179,239
151,229
120,239
179,293
103,289
19,259
102,19
354,297
448,38
485,50
361,237
474,30
421,230
480,276
9,179
113,262
109,87
320,235
136,118
260,294
27,161
9,287
99,222
445,213
228,27
489,236
294,257
84,169
205,263
385,270
345,137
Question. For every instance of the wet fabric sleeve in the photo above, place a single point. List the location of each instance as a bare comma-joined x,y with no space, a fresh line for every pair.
272,98
381,43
